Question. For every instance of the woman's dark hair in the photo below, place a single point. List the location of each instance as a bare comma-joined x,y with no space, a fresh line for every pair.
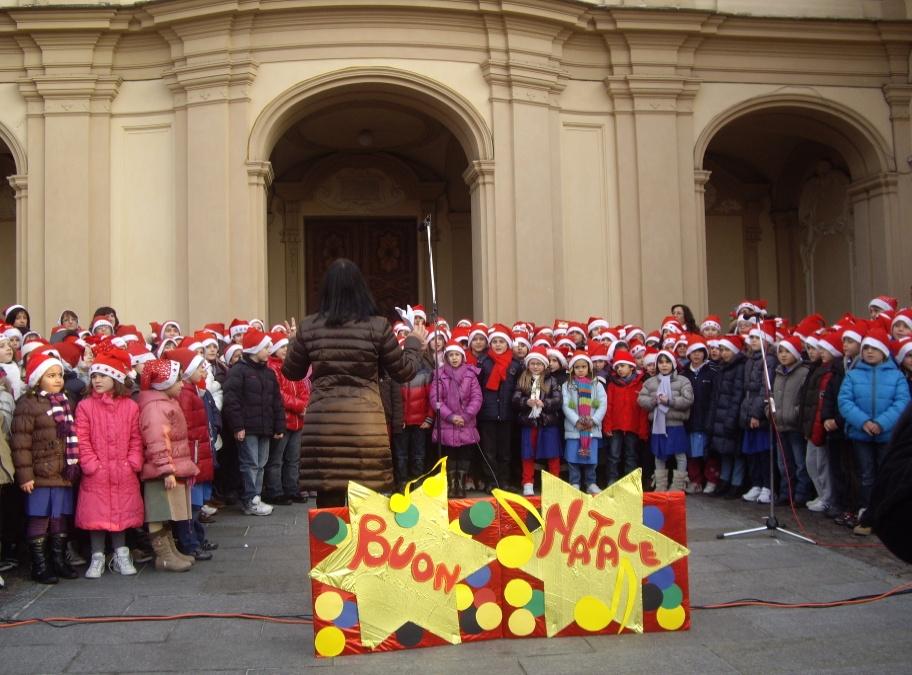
15,312
345,295
102,311
690,324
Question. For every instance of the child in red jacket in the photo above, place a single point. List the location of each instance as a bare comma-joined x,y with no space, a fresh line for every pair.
280,478
626,422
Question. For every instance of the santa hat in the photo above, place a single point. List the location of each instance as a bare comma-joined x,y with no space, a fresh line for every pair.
255,340
653,339
205,338
537,354
419,311
161,330
188,359
100,322
32,343
555,353
566,345
439,333
38,365
128,333
10,332
672,325
237,327
667,354
809,325
230,350
597,322
670,342
651,355
478,329
461,335
878,339
257,323
70,352
169,343
190,342
139,354
792,345
576,327
885,303
501,331
522,338
598,351
637,348
733,343
279,328
544,331
903,316
218,330
766,330
711,321
399,327
634,333
579,355
443,323
695,342
902,348
454,346
279,340
831,342
622,356
115,363
542,341
856,331
560,327
747,307
13,308
160,374
606,335
464,323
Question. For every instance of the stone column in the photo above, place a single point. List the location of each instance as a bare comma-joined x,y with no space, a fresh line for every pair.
701,178
19,183
899,231
480,179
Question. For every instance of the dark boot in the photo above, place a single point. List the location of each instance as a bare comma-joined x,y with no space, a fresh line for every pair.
451,485
460,491
59,558
721,489
41,567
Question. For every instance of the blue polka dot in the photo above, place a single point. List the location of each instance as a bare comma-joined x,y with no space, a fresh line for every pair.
349,615
653,518
663,578
479,578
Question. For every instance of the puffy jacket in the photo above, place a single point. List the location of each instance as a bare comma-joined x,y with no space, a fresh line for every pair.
812,395
198,438
164,434
570,405
111,457
497,406
295,395
879,393
7,408
624,413
754,403
723,424
787,393
829,407
38,453
679,404
416,400
391,397
701,381
460,394
551,411
252,401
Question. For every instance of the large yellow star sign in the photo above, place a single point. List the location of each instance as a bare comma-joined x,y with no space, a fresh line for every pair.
592,553
403,565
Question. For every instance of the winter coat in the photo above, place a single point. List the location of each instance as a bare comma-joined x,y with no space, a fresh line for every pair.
551,411
164,434
219,371
7,408
701,381
829,407
754,403
812,395
14,378
787,393
111,457
214,387
198,438
74,388
679,405
391,397
295,394
466,403
879,393
38,453
345,437
624,413
252,402
570,405
723,425
497,406
416,401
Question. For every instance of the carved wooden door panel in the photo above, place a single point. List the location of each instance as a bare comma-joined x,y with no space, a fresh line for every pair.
385,250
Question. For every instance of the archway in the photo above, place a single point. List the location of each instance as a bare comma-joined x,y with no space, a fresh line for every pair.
12,164
353,161
789,212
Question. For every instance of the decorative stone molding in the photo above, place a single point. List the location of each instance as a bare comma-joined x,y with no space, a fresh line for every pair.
479,172
259,173
524,82
359,190
208,83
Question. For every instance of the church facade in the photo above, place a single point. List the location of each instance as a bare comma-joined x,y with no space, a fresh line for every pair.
203,160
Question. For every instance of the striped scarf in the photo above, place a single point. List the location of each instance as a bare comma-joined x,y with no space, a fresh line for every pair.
584,408
63,417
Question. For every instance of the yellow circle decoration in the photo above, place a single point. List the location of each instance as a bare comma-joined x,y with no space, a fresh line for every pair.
489,616
591,614
464,596
433,486
521,622
514,551
671,619
518,592
328,605
329,641
399,503
455,527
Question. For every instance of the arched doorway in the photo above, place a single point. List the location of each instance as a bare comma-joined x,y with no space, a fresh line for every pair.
351,162
8,250
795,205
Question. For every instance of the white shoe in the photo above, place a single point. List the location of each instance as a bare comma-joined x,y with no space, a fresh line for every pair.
709,488
528,490
817,506
208,510
764,496
751,495
693,488
96,567
593,489
122,563
575,486
257,507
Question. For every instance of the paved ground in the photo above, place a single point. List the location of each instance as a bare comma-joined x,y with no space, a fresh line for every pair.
261,567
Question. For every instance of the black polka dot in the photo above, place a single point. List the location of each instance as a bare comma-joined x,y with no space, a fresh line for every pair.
467,621
466,524
324,526
652,597
409,635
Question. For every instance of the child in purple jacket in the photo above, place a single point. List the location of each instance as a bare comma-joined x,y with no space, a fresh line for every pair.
456,396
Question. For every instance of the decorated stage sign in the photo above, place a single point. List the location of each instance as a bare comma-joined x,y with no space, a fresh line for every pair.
418,570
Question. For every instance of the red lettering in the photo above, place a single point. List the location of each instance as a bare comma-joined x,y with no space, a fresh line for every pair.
648,555
600,522
579,551
554,523
422,567
444,578
607,551
366,537
398,559
624,539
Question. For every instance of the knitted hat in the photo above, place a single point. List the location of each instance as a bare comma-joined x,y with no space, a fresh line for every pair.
255,340
878,339
160,374
501,331
114,363
537,354
902,348
279,340
622,356
792,345
711,321
230,350
38,365
237,327
188,359
554,353
454,346
884,303
695,342
733,343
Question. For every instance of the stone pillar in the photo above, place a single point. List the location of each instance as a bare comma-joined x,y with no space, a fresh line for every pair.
899,98
19,183
701,178
878,224
259,178
480,179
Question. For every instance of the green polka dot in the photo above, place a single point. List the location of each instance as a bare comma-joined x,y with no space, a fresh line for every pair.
481,514
340,535
536,604
408,518
672,596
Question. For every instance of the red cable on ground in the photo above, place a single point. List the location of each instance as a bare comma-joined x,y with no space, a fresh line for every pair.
901,589
157,617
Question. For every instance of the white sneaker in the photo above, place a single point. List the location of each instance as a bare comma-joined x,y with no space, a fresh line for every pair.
575,486
817,506
528,490
764,496
593,489
257,507
709,488
208,510
122,563
96,567
751,495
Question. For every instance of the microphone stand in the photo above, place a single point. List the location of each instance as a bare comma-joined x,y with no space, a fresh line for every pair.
770,523
426,226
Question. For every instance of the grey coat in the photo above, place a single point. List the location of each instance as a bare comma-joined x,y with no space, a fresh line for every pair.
787,393
682,398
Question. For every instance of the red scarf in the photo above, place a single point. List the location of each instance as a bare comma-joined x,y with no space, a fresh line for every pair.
499,372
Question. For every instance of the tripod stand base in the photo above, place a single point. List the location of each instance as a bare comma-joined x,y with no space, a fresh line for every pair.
771,524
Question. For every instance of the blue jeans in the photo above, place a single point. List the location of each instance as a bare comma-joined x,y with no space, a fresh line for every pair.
188,539
622,444
586,470
794,447
280,477
253,452
731,468
868,458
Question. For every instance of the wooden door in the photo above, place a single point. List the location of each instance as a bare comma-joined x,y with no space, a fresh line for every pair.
384,249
